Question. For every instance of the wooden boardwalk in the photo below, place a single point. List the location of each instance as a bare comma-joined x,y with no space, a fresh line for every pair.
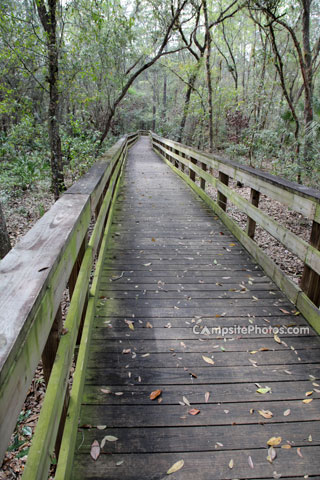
172,265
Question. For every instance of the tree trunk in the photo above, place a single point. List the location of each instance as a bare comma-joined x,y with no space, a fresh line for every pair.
5,245
154,103
164,98
308,107
49,23
208,75
191,83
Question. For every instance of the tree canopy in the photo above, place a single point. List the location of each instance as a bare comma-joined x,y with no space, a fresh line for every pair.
239,77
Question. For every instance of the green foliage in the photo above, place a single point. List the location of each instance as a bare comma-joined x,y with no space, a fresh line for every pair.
24,155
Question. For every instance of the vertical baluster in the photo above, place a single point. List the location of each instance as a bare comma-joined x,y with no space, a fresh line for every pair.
310,281
222,199
192,174
202,180
251,224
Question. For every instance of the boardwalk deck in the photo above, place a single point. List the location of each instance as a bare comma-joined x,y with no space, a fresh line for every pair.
171,265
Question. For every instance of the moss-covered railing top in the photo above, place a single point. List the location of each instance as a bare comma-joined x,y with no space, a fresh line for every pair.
299,198
55,254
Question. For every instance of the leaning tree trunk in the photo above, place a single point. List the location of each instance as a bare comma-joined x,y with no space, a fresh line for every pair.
191,83
5,245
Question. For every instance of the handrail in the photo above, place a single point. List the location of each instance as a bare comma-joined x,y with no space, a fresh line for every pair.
54,254
299,198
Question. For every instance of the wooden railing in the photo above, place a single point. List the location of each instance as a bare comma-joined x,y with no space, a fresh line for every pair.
55,254
301,199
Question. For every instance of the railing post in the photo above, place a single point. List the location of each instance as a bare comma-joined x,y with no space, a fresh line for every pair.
222,199
192,174
176,162
310,281
183,155
202,180
251,224
51,347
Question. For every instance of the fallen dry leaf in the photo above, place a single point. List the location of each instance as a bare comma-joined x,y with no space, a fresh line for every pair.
299,452
274,441
263,390
307,394
287,412
186,401
206,396
155,394
148,325
250,462
307,400
208,360
266,413
231,463
105,390
95,450
276,338
108,438
284,311
272,454
175,467
194,411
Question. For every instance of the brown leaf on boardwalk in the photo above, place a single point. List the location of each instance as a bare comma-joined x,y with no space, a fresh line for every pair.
153,239
307,400
194,411
307,394
175,467
284,311
193,375
287,412
208,360
105,390
148,325
266,413
299,452
231,463
155,394
95,450
206,396
274,441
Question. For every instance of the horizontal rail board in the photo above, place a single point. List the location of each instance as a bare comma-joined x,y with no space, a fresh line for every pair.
301,199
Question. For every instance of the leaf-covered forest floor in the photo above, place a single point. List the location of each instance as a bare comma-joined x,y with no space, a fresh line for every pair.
21,214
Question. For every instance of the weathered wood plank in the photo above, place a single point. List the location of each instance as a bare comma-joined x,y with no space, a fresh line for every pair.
154,467
219,393
177,376
35,273
156,440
